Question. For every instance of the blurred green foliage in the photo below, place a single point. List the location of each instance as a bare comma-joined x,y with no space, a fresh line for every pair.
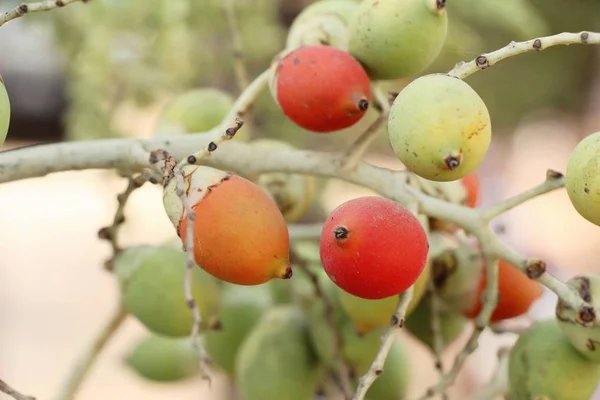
122,51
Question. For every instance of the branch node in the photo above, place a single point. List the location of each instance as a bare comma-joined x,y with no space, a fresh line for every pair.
535,268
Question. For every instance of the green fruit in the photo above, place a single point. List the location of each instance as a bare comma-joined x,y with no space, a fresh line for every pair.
419,325
396,39
322,22
586,339
457,274
164,359
293,193
197,110
240,309
276,360
439,128
543,363
393,383
582,179
151,282
4,112
368,314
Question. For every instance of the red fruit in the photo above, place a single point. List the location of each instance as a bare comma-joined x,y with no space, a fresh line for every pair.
471,184
321,88
240,236
516,292
373,247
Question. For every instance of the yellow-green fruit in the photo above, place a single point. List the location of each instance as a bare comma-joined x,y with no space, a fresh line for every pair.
543,363
582,179
151,282
276,360
240,309
293,193
164,359
322,22
439,128
393,383
586,339
396,39
456,273
4,112
419,325
197,110
368,314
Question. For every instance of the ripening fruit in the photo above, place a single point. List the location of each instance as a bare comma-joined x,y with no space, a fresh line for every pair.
586,339
367,314
322,22
164,359
582,178
321,88
276,360
4,112
373,247
516,292
293,193
240,235
240,309
396,39
419,325
543,363
197,110
439,128
471,184
151,283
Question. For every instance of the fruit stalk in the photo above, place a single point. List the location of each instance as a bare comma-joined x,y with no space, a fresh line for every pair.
463,69
387,339
79,372
23,9
6,388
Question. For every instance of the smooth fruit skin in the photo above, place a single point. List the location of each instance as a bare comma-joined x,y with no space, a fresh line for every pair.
151,279
320,88
516,293
582,178
373,247
439,128
322,22
163,359
197,110
419,325
240,309
368,314
396,39
276,360
586,339
240,235
4,112
543,363
472,186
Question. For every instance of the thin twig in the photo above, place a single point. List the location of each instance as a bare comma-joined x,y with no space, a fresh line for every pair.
83,367
26,8
486,60
554,180
6,388
239,67
344,370
498,385
110,233
360,146
489,300
387,339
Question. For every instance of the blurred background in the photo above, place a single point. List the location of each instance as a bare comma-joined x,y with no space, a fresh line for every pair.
106,69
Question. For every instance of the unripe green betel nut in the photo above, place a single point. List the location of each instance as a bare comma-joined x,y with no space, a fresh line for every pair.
396,39
4,112
439,128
